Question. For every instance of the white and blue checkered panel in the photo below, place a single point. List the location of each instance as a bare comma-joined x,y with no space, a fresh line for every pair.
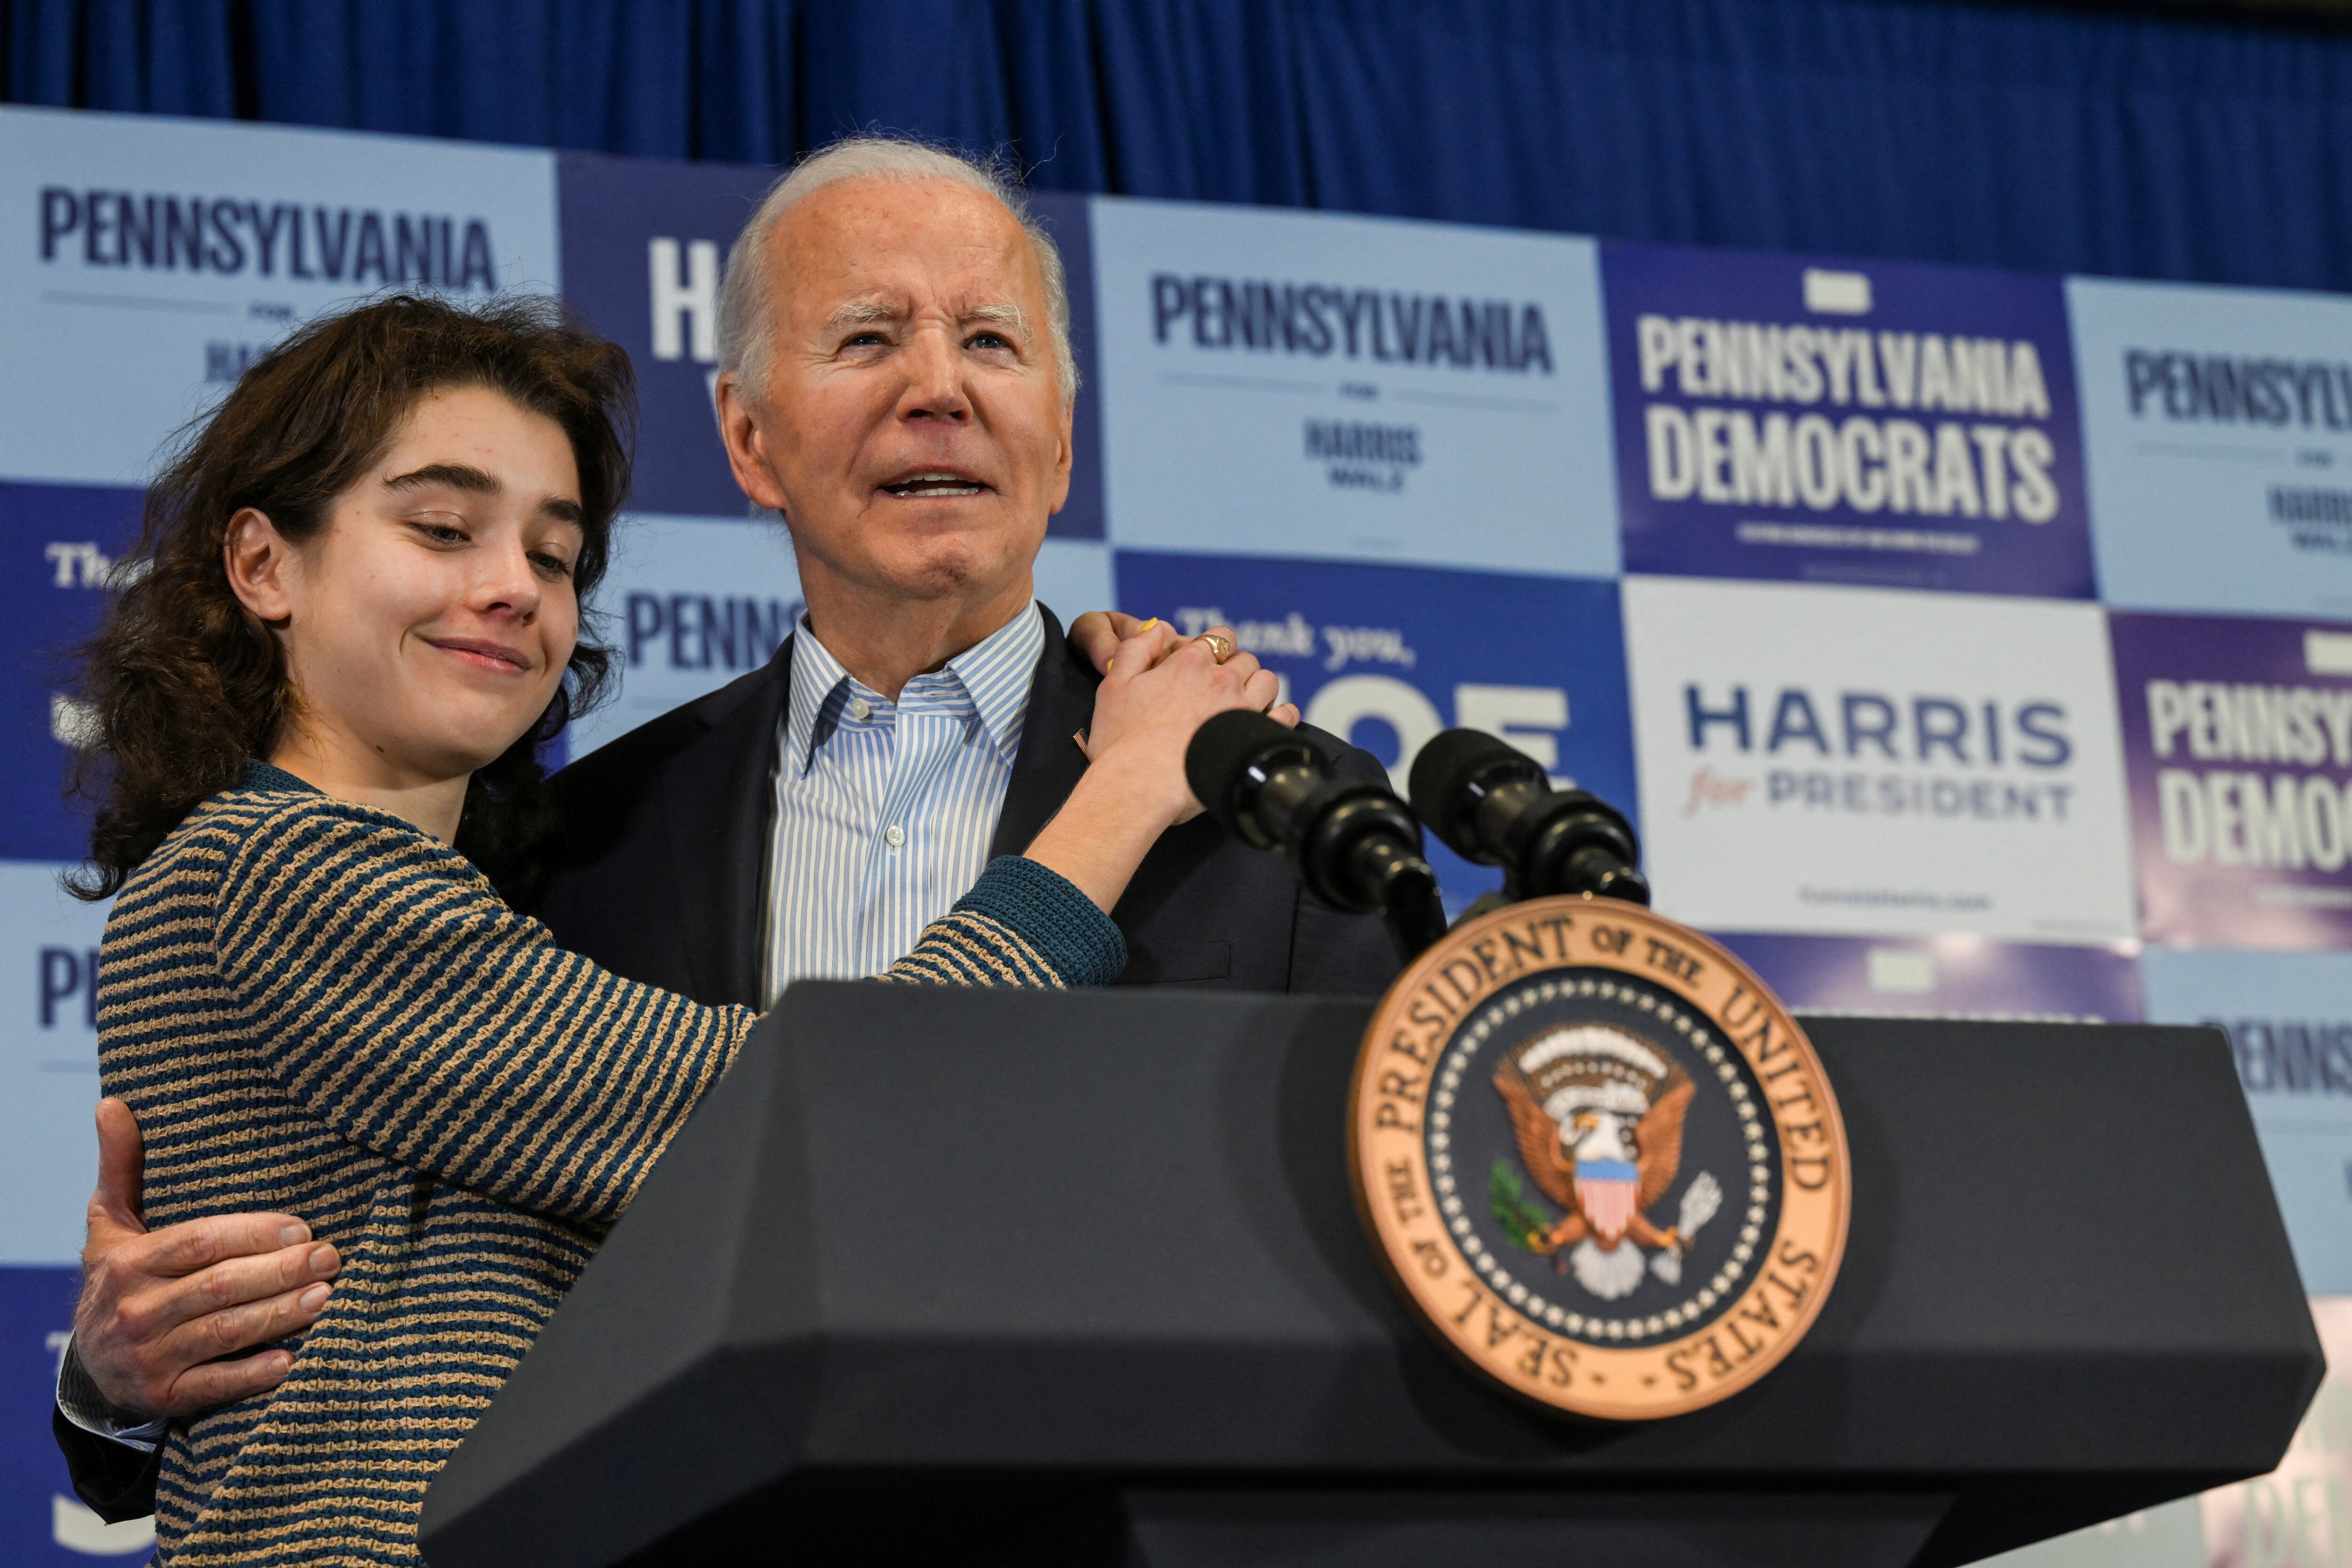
1961,642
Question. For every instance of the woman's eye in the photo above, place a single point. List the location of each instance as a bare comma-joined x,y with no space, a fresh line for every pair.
441,533
553,565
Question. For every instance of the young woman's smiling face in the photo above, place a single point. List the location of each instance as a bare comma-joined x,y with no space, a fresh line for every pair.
427,625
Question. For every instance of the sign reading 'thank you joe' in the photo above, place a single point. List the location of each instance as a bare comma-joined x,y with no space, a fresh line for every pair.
2237,740
1386,657
1883,423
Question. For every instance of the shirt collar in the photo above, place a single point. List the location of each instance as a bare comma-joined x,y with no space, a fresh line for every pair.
999,670
996,673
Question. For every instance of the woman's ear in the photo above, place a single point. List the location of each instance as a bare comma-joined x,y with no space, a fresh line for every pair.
257,559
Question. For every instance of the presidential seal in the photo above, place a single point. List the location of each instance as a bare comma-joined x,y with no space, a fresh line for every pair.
1598,1158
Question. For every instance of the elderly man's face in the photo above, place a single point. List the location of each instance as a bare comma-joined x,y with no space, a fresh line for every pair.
912,428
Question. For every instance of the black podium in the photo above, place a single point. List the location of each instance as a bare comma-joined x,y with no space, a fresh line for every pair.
951,1278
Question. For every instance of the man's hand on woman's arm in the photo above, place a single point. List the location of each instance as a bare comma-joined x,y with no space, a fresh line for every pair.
164,1314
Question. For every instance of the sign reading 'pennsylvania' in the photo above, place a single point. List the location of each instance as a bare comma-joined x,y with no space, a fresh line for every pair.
2289,1019
2219,424
166,259
1900,425
1598,1158
1288,383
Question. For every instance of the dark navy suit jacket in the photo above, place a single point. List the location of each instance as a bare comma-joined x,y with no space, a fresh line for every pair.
661,875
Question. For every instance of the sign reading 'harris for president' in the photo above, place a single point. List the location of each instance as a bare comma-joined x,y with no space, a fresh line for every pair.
1898,425
1852,760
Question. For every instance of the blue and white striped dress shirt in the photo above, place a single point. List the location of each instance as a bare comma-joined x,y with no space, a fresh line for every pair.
884,809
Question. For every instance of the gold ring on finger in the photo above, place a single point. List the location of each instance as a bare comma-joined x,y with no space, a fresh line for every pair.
1221,647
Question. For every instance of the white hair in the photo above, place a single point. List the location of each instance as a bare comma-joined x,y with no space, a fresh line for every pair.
745,295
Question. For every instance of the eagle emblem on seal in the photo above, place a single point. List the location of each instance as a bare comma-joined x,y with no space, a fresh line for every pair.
1598,1112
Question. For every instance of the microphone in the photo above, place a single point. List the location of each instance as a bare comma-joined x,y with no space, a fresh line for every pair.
1490,802
1350,840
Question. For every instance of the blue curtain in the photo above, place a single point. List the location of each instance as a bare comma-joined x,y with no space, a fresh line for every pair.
1990,134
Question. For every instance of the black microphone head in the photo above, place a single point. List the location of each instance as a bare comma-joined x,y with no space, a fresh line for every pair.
1223,752
1441,776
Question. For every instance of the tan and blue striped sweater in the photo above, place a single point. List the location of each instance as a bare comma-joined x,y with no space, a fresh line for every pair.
316,1008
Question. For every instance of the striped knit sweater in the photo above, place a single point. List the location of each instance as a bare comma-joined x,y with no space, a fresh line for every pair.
314,1007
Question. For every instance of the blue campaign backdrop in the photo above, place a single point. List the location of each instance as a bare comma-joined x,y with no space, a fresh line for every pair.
643,245
42,1525
1391,603
2058,139
1387,656
59,542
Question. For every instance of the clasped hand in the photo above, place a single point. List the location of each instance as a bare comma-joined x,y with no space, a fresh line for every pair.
1159,687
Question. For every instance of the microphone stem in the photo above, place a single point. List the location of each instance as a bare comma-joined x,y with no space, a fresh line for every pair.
1405,890
1413,930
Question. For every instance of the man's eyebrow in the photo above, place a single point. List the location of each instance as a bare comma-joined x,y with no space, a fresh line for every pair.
865,313
869,313
479,482
1004,315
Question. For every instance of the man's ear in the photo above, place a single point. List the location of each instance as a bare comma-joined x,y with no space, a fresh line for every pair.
257,557
746,439
1063,460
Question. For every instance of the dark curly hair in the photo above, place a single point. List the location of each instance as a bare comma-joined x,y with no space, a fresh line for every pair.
186,686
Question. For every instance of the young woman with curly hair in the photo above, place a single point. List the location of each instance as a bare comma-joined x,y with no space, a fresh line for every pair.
353,621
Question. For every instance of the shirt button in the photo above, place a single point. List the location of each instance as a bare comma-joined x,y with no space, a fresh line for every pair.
859,708
894,836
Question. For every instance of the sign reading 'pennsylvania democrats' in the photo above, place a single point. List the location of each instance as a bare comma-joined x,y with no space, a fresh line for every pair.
1902,426
1388,656
2239,739
1288,383
166,258
2219,424
1844,759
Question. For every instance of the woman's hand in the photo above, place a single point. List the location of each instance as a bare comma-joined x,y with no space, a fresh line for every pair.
1161,688
1099,633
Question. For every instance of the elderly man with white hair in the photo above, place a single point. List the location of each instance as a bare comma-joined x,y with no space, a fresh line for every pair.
896,384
